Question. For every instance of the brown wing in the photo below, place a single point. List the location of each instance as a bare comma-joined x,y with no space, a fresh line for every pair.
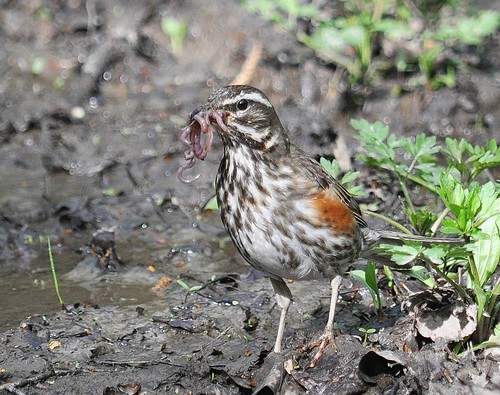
315,172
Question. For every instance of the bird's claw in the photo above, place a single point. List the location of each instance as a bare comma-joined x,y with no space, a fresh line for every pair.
321,343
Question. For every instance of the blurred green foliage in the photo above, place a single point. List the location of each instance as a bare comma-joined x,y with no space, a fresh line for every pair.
353,37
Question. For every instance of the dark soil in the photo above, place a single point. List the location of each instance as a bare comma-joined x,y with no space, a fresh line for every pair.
93,99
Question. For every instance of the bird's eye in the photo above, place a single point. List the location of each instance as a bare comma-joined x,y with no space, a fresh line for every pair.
242,105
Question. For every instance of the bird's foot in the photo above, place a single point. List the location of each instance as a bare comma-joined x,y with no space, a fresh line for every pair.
321,343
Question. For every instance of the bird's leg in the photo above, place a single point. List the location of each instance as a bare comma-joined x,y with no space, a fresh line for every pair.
284,300
328,335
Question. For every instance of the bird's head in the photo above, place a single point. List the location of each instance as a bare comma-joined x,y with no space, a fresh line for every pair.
243,115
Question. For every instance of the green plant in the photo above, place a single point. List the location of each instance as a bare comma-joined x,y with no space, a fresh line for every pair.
188,288
350,39
418,165
348,179
285,12
176,30
470,30
368,277
54,274
38,66
335,40
211,204
469,209
366,332
428,61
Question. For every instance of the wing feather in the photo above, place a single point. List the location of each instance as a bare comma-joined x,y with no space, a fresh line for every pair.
316,173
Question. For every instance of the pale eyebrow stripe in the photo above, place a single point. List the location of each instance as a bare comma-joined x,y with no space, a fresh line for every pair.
254,96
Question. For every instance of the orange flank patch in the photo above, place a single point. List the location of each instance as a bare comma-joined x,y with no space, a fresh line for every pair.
332,212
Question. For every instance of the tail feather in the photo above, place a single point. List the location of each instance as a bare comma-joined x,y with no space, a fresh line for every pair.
391,237
375,238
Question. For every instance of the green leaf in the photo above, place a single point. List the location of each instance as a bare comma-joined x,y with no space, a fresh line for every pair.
111,192
354,36
390,276
450,227
183,284
370,131
422,220
38,66
187,287
350,177
428,59
422,274
471,30
401,255
358,275
378,143
211,204
487,255
371,276
368,279
423,145
454,151
393,29
435,254
470,160
331,43
332,168
267,9
176,30
296,9
452,193
486,250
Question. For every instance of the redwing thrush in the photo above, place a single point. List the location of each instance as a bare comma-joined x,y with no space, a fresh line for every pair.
286,215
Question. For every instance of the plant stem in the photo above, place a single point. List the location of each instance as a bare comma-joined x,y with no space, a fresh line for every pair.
475,274
481,346
378,10
490,308
421,182
412,164
439,220
406,193
457,287
54,274
389,221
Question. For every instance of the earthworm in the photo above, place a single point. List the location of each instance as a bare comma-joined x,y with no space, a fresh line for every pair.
198,124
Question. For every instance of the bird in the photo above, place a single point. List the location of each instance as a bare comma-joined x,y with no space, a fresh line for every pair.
285,214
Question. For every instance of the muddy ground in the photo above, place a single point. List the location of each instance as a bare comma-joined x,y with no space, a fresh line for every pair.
93,98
